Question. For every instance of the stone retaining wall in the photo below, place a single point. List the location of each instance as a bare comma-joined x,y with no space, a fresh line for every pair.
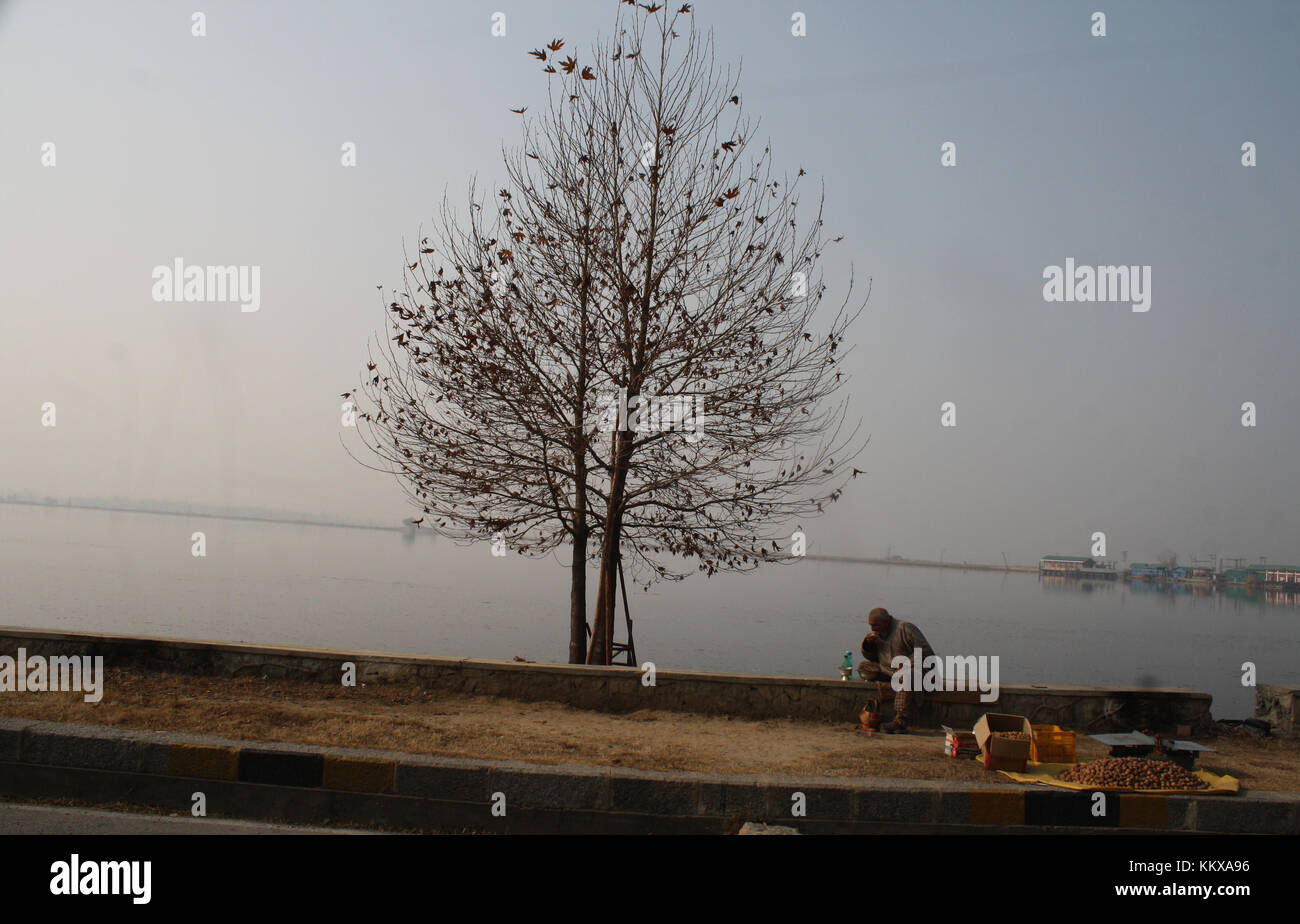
621,689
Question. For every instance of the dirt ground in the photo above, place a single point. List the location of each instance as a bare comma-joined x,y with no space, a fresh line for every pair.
406,717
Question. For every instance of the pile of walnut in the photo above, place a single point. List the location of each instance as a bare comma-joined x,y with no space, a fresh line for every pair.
1012,736
1133,773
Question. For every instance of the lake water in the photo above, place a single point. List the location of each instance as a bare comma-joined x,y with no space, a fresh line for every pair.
130,573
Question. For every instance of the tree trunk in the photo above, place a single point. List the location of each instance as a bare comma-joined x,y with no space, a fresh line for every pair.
578,563
598,650
602,636
578,598
581,531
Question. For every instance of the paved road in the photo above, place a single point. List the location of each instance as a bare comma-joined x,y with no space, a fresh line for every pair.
17,818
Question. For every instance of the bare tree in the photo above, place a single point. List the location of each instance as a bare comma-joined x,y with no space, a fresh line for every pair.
713,289
638,249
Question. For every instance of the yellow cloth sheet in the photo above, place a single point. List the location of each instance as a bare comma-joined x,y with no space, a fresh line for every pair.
1048,774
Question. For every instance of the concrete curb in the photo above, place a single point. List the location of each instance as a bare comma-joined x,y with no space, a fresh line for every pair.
278,781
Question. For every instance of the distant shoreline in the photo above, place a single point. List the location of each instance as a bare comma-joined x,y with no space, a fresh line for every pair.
921,563
209,515
336,524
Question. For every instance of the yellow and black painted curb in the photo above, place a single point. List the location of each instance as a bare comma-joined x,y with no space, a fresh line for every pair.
123,764
1075,808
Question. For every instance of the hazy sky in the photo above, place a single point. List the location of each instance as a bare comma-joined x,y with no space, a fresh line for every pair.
1071,417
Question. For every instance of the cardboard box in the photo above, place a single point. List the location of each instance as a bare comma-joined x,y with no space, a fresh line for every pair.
999,753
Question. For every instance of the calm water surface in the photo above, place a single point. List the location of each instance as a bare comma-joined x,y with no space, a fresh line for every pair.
82,570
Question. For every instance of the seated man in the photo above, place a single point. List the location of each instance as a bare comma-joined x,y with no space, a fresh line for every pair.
890,637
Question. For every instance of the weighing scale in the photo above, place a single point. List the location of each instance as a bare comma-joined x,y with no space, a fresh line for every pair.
1136,744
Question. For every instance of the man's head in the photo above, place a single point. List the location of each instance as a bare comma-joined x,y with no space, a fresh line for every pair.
880,620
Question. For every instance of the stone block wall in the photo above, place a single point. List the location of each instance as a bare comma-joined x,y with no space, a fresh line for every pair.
620,689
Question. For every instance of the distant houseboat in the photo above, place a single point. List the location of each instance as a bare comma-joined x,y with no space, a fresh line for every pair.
1195,575
1076,566
1062,564
1285,577
1142,571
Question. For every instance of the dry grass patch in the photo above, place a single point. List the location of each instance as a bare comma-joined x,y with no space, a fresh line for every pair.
406,717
